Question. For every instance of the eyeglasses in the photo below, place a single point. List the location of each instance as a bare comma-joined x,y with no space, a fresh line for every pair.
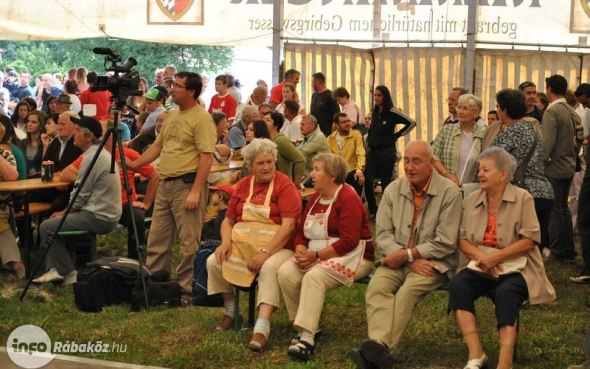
176,85
451,100
464,107
526,84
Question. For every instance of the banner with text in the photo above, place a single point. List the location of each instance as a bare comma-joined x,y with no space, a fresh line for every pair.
250,22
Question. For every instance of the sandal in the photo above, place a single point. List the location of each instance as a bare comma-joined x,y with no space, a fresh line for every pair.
295,340
302,351
480,363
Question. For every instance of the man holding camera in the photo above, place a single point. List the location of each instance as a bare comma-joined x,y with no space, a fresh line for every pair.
185,147
99,98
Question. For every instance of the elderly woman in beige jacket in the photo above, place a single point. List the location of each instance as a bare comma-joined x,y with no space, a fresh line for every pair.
498,226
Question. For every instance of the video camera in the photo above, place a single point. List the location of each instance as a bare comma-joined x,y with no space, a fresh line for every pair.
120,86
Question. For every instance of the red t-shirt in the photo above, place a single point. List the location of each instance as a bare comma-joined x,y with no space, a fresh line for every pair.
285,201
225,104
131,155
100,99
276,94
348,220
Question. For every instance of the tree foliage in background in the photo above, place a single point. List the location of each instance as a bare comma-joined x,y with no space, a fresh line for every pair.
39,57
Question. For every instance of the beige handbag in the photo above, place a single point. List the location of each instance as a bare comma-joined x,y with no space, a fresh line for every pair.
511,266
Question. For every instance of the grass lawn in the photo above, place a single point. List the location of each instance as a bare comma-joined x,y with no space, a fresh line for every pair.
551,334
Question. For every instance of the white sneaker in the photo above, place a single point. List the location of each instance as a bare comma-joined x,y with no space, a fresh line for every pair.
51,276
70,278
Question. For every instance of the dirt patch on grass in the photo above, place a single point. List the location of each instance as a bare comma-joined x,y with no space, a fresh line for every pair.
11,289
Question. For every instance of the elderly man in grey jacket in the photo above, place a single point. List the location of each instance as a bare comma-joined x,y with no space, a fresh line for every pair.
416,235
314,142
93,209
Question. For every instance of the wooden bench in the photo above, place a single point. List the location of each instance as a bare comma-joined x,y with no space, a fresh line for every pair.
306,192
251,304
252,299
34,208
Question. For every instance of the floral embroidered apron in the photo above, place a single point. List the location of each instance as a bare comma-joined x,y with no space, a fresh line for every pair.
342,268
250,236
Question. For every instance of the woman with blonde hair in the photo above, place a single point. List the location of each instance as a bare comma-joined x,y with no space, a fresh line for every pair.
83,85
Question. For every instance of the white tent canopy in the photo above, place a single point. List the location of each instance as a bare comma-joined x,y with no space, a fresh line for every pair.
419,48
250,22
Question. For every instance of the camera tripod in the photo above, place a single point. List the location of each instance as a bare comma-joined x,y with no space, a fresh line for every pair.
117,144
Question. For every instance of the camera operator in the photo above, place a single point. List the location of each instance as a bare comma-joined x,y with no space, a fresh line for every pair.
98,98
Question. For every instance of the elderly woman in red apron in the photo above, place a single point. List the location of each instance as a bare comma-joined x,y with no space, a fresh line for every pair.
333,247
256,238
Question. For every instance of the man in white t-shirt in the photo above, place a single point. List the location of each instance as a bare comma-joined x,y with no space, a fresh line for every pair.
292,126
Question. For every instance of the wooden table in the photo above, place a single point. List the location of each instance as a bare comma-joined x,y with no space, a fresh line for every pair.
25,186
233,165
307,192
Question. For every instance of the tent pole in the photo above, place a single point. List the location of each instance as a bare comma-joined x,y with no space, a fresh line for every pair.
470,52
277,21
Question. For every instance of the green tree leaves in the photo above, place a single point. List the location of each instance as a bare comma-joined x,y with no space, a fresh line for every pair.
60,56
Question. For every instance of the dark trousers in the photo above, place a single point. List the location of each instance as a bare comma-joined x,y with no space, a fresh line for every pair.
508,293
543,210
354,183
126,220
584,218
561,228
379,164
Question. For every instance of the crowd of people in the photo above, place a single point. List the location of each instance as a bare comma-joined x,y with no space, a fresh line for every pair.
481,207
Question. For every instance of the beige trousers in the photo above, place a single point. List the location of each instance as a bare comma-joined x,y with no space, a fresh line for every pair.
391,297
9,251
304,293
170,218
268,285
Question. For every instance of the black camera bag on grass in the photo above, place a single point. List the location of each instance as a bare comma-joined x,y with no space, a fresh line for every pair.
115,280
108,282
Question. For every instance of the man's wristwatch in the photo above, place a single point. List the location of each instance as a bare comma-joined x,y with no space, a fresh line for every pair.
317,256
410,256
